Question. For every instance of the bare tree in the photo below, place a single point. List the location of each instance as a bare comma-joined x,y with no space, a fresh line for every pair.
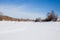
54,16
51,17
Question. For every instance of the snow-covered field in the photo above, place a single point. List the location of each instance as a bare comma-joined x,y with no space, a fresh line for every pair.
29,30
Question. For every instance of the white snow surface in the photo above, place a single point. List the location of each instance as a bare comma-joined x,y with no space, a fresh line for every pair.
29,30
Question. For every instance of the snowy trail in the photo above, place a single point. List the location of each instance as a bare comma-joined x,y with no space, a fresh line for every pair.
29,30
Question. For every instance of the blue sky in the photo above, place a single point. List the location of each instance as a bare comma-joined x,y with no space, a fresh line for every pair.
29,8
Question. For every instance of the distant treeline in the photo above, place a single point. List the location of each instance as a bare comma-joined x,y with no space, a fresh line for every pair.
51,16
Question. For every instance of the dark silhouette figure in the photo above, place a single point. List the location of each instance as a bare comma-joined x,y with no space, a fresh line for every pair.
37,20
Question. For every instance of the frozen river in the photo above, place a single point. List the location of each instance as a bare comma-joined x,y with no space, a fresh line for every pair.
29,30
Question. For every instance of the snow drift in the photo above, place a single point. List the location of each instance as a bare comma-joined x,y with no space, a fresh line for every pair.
29,30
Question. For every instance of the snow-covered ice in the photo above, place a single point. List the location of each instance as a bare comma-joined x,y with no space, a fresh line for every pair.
29,30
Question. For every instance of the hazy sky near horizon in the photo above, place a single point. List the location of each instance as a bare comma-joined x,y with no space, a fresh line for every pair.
29,8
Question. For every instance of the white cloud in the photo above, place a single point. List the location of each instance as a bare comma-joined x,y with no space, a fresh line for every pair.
18,11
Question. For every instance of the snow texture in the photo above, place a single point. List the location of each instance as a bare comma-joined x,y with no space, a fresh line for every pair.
29,30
